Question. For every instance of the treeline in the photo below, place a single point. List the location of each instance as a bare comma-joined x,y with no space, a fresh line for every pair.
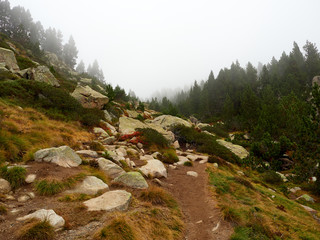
18,24
276,101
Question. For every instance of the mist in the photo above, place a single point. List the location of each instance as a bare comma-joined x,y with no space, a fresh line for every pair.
147,46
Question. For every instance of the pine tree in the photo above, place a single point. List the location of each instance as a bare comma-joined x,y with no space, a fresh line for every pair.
81,67
70,53
312,59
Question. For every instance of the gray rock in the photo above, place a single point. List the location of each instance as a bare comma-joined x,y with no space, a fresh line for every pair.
30,178
182,160
154,169
112,129
168,121
109,140
100,132
192,173
90,185
63,156
4,186
7,57
45,215
176,145
89,98
109,168
133,180
316,81
307,198
295,189
23,198
117,200
238,150
88,153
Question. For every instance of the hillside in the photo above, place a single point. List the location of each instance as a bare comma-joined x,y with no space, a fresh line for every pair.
77,165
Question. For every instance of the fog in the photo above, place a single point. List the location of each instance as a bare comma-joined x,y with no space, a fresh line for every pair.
147,46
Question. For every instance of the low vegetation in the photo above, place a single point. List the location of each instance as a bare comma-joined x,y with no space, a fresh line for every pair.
158,196
118,229
15,176
257,211
37,231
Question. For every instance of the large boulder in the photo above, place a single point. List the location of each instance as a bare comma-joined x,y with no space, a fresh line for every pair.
4,186
129,126
45,215
63,156
133,180
238,150
89,98
168,121
39,74
110,201
109,168
53,60
7,57
154,169
91,185
132,114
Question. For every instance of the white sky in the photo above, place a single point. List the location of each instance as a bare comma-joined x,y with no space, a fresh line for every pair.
148,45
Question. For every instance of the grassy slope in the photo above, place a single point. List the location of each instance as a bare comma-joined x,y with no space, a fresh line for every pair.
257,211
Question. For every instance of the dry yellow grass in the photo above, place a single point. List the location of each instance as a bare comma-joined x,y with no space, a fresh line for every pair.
31,130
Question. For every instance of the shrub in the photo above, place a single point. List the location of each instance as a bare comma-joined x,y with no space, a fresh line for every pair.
24,63
203,142
13,146
271,177
217,129
158,196
15,175
243,182
151,137
38,231
140,117
168,156
188,164
49,188
118,229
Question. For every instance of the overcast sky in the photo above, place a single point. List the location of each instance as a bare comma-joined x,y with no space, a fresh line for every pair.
148,45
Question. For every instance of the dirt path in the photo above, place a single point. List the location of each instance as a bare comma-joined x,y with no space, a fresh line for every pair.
202,216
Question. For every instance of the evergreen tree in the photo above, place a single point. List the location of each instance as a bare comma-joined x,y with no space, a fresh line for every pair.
70,53
5,12
81,67
312,60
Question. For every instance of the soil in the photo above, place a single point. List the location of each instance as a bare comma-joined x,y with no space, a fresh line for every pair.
203,219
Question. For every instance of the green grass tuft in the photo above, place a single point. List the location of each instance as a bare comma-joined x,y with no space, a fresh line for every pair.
38,231
15,176
118,229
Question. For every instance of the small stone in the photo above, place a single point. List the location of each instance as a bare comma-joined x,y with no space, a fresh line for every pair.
307,198
240,173
88,153
133,180
216,165
31,195
172,167
140,145
295,189
30,178
192,173
10,197
176,145
23,198
4,186
109,140
100,132
199,222
203,161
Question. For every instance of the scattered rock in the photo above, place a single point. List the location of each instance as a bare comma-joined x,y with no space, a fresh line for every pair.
4,186
203,125
283,177
192,173
146,157
140,145
31,195
45,215
238,150
109,140
240,173
40,74
23,198
110,201
109,168
133,180
30,178
154,168
306,197
172,167
176,144
215,165
100,132
89,98
295,189
88,153
182,160
63,156
91,185
7,57
168,121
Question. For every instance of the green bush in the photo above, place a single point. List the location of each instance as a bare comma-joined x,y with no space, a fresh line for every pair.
24,63
188,164
168,155
203,142
217,129
15,176
271,177
150,137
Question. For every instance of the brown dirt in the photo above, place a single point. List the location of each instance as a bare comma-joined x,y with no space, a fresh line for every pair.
197,203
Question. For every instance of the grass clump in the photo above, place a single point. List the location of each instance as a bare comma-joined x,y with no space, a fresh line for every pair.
15,176
203,143
3,210
37,231
188,164
24,63
168,155
96,146
118,229
158,196
49,188
245,233
271,177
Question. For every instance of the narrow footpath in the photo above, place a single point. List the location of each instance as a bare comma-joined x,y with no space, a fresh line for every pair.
203,219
